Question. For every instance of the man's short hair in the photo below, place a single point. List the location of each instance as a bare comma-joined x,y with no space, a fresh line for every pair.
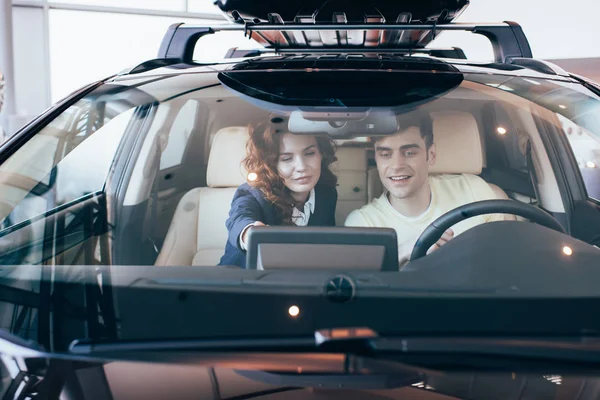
420,120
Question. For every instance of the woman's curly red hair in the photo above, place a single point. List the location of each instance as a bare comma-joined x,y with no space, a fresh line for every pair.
262,157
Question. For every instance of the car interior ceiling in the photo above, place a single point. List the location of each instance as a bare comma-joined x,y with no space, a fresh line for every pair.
505,164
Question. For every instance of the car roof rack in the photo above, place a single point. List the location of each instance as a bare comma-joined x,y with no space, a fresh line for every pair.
507,38
316,11
545,67
454,52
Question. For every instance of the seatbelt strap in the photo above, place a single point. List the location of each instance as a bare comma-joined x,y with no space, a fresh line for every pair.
162,139
532,173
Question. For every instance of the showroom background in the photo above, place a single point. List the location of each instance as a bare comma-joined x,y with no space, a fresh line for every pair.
50,48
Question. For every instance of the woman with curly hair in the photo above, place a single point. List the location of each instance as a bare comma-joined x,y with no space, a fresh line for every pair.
289,183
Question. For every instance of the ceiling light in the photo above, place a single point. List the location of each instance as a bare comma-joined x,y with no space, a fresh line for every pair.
294,311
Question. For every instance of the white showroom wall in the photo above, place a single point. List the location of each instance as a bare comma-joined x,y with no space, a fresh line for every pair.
60,46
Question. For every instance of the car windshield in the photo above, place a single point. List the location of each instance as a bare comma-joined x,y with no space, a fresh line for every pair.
310,171
155,163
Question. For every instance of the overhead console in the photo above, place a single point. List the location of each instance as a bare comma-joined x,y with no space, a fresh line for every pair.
340,104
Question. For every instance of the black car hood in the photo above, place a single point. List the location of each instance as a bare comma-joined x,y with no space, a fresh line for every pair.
256,376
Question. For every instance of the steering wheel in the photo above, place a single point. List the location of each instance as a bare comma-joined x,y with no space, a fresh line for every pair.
435,230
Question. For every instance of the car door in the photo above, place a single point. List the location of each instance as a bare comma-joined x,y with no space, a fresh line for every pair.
576,148
581,162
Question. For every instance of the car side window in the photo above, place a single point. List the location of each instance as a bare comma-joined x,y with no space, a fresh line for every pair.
60,164
586,148
179,134
56,183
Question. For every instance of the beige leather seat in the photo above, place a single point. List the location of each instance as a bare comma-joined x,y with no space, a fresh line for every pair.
459,146
459,150
197,234
374,185
351,170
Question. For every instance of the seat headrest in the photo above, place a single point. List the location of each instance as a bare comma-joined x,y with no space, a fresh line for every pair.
227,152
458,145
350,159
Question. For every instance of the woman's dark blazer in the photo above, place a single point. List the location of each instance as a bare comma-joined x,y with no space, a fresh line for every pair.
249,205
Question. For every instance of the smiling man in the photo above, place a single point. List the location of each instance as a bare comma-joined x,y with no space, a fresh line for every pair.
412,198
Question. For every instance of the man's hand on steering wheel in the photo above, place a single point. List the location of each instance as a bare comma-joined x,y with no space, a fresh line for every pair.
432,235
445,238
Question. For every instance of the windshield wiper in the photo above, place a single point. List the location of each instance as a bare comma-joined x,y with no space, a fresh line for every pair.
366,342
261,344
572,349
345,340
